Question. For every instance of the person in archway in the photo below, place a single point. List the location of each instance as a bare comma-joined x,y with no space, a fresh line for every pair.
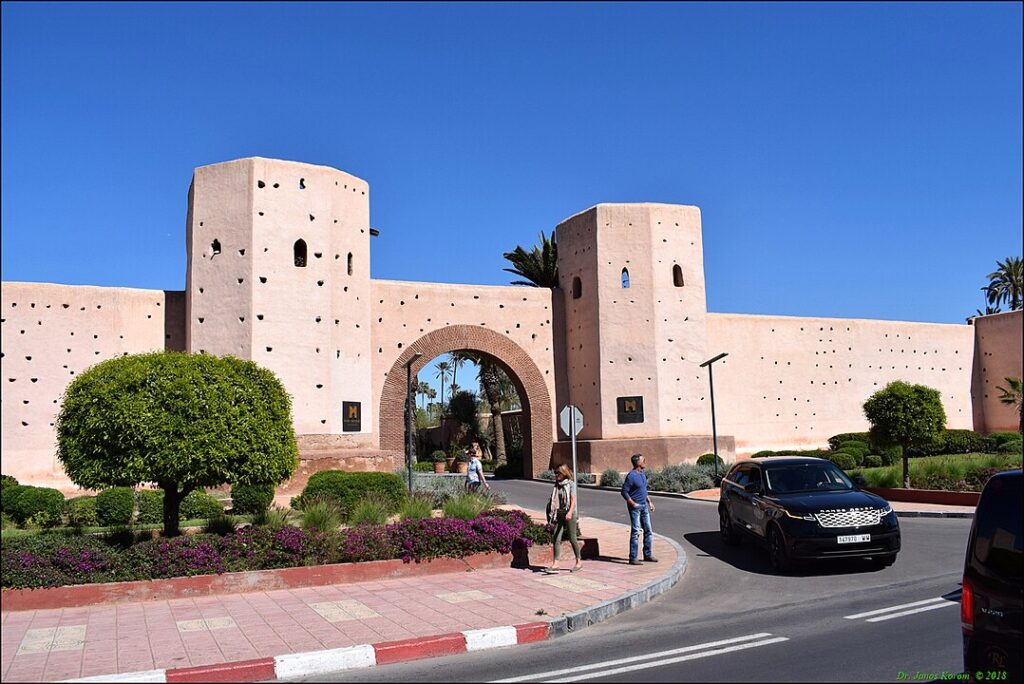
475,472
561,513
639,505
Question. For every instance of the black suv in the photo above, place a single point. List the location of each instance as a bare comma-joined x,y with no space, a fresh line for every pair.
806,509
990,608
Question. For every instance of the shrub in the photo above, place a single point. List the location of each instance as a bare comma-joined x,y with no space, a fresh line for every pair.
611,478
273,518
371,509
548,475
763,454
709,460
1010,447
6,521
892,455
836,440
423,466
200,505
438,457
855,447
321,515
466,507
7,481
681,478
872,461
962,442
55,559
440,488
251,499
115,506
44,504
487,464
81,511
150,504
586,478
220,524
187,421
997,439
345,489
417,507
844,460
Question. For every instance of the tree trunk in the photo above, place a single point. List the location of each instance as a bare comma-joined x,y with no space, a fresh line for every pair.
906,469
499,437
172,508
492,388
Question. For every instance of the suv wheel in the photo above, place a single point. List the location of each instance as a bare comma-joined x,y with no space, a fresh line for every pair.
777,551
729,534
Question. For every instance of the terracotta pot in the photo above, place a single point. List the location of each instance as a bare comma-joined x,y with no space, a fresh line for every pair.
463,468
440,467
450,465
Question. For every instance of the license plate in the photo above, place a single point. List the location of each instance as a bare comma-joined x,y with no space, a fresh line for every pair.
853,538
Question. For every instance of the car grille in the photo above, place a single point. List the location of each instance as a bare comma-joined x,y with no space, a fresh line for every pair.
853,517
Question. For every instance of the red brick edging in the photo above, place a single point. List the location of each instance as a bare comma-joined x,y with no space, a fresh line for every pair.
931,496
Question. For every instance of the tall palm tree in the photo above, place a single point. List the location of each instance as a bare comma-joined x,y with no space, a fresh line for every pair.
457,359
443,371
1006,283
490,383
539,266
1014,396
422,389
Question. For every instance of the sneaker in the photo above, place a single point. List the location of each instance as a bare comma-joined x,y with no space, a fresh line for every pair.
634,561
650,559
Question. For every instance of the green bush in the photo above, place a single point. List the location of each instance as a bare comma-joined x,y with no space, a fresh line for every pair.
439,488
115,506
998,439
892,455
321,515
681,478
419,506
836,440
1010,447
844,460
6,521
150,504
872,461
548,475
274,518
763,454
709,460
199,505
44,504
7,481
511,469
221,525
466,506
611,478
855,447
81,511
438,456
345,489
586,478
251,499
812,453
372,509
423,466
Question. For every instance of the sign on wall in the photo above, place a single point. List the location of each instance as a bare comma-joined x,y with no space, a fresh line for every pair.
631,409
351,416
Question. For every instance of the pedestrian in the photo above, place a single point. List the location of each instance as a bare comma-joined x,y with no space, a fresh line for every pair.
475,474
639,505
562,514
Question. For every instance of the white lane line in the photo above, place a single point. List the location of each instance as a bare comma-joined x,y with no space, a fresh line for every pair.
633,659
911,612
892,608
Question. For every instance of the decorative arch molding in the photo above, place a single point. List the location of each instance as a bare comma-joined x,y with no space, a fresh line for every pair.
538,437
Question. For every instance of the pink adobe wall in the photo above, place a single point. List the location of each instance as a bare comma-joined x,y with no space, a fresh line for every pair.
999,350
794,382
51,333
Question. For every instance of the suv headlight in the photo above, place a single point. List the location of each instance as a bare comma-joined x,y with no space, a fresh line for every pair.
809,517
882,512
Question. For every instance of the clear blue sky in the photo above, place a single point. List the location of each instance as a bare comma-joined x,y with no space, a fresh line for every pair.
849,160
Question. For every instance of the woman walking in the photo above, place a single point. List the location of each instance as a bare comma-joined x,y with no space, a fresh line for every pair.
562,513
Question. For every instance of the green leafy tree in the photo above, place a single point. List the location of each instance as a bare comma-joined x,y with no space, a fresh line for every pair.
1013,397
907,416
539,266
1006,284
180,421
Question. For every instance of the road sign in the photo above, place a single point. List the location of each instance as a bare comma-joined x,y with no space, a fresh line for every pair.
571,420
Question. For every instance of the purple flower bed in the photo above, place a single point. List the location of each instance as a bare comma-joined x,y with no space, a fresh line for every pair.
57,560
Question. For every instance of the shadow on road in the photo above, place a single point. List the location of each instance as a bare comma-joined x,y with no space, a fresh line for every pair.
751,556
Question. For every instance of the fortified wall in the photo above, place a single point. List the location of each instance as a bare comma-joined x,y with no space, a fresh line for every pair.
278,260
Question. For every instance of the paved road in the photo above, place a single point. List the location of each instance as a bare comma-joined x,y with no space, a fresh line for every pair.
731,619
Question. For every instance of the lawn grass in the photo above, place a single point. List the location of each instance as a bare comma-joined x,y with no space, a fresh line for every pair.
953,468
14,533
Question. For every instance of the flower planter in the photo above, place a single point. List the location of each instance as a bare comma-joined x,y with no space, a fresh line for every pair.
450,465
462,468
932,496
440,467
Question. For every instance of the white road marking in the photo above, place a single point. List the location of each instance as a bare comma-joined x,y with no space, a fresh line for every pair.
892,608
911,612
736,645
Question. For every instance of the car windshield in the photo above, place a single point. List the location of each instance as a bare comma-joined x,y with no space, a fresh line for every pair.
806,477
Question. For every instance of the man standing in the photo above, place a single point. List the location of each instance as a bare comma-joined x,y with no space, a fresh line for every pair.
634,491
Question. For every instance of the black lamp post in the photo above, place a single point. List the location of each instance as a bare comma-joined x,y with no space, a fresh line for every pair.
409,443
714,429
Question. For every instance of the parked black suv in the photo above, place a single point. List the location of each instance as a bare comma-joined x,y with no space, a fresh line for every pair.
806,509
990,608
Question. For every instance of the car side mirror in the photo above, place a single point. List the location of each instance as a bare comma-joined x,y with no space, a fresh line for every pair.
752,487
860,481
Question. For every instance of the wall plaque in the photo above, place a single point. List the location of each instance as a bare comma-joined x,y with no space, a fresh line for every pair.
351,416
631,409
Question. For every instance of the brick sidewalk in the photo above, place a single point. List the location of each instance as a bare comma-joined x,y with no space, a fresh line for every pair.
49,645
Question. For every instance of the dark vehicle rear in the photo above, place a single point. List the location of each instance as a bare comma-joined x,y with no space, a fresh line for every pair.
990,610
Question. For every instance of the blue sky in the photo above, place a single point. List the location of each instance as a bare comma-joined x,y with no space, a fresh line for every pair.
849,160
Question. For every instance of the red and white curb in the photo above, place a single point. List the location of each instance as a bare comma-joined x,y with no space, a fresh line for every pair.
334,660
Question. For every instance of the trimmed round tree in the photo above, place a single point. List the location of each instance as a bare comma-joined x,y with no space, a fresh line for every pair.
906,416
180,421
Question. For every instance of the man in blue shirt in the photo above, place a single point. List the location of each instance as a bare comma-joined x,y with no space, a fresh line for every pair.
634,491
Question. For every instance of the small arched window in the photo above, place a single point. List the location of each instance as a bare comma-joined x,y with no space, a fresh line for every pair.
677,275
625,278
300,253
350,263
214,248
577,288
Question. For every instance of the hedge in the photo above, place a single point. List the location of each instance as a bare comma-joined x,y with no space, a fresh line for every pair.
611,478
843,460
150,503
709,460
199,505
43,505
251,499
872,461
836,440
7,481
345,489
81,511
115,506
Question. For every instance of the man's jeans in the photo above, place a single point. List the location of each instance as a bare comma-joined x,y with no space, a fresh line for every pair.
640,516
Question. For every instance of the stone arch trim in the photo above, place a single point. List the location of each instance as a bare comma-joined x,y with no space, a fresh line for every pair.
538,436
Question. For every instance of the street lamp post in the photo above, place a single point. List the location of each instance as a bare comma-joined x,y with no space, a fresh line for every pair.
714,429
409,444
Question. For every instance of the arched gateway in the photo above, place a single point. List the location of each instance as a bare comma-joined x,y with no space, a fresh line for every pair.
528,380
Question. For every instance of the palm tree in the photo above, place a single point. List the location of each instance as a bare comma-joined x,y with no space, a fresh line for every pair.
457,359
1006,283
443,371
422,389
1014,397
539,266
490,384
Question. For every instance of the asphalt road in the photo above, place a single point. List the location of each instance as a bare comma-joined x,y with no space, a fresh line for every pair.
730,618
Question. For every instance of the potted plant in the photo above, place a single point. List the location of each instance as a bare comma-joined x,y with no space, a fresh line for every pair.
440,460
453,451
462,462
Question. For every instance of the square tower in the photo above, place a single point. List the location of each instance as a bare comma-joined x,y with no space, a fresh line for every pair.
278,272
